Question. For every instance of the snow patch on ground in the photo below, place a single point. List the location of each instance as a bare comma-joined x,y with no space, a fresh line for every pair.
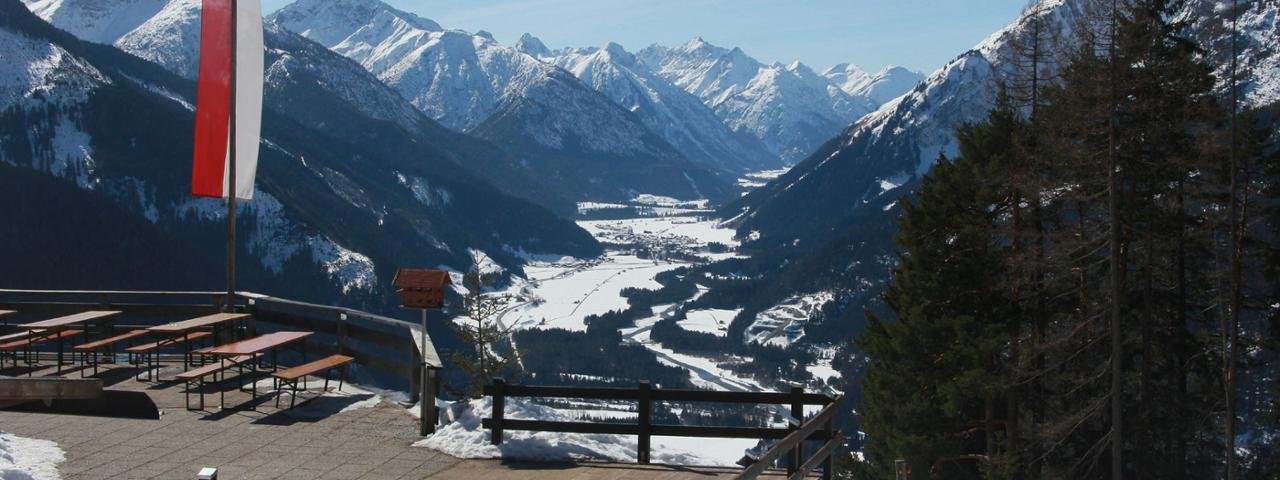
436,197
28,458
713,321
783,324
465,438
662,201
352,270
332,402
761,178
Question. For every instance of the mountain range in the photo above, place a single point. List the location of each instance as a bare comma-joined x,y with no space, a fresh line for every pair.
830,220
340,203
790,108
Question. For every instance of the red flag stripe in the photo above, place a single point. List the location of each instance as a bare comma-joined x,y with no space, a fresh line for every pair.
213,100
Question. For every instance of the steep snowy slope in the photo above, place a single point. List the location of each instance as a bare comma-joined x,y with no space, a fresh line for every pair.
887,84
864,167
679,117
463,79
790,108
830,219
331,217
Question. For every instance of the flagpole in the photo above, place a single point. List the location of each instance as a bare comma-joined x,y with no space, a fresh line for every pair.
231,171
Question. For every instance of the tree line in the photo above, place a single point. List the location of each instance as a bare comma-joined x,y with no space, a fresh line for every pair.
1087,289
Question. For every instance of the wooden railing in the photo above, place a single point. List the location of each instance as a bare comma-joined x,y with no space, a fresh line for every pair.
791,439
388,347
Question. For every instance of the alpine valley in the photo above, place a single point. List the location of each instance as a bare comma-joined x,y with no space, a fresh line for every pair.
683,214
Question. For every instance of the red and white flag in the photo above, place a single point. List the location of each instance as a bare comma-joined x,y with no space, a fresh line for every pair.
213,97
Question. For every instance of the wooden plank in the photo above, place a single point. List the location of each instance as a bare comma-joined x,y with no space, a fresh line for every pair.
199,322
611,393
772,398
792,440
819,457
211,368
133,310
39,338
318,366
259,344
31,389
5,313
701,431
132,334
69,320
568,392
165,342
565,427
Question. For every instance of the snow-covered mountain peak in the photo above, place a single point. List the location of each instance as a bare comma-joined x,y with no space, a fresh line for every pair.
330,19
618,54
799,67
533,46
677,116
790,108
696,43
880,87
485,34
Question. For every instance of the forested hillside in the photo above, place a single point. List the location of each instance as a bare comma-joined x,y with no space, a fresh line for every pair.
1082,291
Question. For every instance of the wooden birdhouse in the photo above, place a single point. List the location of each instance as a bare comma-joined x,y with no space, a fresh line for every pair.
421,288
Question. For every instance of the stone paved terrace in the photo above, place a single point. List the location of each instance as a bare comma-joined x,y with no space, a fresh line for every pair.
365,443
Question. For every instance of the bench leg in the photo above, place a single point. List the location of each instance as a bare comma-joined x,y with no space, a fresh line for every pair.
293,399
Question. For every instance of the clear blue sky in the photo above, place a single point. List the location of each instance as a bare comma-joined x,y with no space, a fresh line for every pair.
918,34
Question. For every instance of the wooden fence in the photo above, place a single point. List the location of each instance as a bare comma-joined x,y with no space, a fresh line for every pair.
791,439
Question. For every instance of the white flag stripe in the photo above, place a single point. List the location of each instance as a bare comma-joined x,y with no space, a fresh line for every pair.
248,78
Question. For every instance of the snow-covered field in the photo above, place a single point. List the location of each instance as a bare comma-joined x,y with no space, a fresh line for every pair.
28,458
713,321
562,294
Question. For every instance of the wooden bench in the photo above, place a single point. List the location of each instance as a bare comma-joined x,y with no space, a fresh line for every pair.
147,352
89,351
36,338
198,375
291,376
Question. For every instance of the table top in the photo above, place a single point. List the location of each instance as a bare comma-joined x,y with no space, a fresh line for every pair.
69,320
258,344
195,323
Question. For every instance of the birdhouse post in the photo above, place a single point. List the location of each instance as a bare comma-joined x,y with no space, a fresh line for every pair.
423,290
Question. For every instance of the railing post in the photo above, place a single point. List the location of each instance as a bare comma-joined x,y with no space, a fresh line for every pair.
644,410
430,414
797,412
829,464
342,333
499,390
415,373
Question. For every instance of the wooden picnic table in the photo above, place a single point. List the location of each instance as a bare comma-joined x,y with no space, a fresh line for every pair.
185,326
52,327
5,313
70,320
215,321
257,346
